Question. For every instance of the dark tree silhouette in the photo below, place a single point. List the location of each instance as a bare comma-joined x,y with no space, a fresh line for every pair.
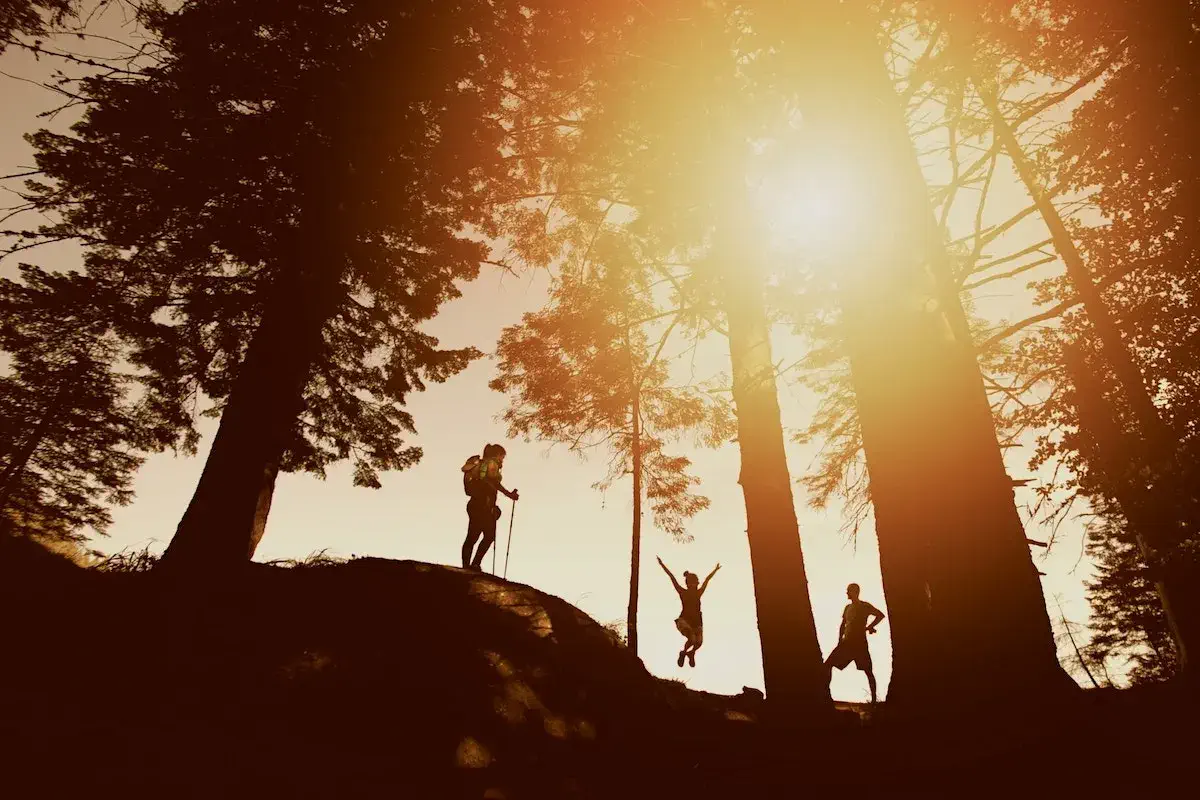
31,17
282,201
1127,623
71,432
1121,361
632,144
956,567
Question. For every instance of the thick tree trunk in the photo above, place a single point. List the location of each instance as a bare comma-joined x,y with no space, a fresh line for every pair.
795,679
957,570
635,557
228,512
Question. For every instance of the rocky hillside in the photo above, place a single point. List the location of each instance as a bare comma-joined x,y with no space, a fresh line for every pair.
381,678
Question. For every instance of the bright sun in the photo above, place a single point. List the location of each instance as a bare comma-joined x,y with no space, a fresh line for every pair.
810,208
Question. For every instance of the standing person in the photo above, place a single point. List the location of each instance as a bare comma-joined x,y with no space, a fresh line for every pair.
852,637
690,622
482,482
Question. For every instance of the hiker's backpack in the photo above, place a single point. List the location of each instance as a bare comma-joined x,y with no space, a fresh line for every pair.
470,471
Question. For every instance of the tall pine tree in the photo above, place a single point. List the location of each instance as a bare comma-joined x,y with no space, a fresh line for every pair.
280,202
592,370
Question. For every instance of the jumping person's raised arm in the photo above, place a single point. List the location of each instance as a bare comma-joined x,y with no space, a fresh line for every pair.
674,582
875,612
704,585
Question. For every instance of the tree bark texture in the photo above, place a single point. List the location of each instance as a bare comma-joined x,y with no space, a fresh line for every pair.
228,511
967,611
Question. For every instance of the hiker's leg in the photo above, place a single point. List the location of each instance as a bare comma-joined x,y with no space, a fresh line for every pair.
871,683
484,545
469,544
489,536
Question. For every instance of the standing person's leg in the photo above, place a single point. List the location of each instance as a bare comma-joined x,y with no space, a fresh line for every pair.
863,662
489,537
839,658
474,529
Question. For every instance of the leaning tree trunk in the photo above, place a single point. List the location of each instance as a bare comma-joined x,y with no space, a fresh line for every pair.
1163,518
794,677
955,562
228,512
635,557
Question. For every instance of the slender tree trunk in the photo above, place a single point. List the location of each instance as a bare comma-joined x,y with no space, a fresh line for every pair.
635,557
228,512
1129,375
795,679
957,569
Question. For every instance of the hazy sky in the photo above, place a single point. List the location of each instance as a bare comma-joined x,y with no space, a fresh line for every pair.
569,540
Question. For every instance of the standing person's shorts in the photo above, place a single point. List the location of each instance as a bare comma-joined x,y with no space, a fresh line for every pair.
694,631
849,650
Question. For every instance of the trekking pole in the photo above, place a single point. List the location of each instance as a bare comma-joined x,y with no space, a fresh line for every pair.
508,547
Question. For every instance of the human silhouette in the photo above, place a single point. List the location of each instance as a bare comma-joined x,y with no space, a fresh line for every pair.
482,482
852,637
690,622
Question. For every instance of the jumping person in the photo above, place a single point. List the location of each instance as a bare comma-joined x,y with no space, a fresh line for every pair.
690,622
482,482
852,637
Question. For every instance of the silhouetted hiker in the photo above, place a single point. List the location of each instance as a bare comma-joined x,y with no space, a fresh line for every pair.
852,637
690,622
481,482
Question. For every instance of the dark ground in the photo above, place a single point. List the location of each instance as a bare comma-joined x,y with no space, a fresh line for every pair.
380,678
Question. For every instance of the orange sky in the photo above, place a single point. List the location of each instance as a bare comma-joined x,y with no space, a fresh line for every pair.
569,540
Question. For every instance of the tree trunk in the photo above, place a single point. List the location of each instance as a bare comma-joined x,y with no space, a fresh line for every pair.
795,679
635,558
1165,531
228,512
1129,375
956,566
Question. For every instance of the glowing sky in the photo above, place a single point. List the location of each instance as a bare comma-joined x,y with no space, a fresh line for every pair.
569,540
